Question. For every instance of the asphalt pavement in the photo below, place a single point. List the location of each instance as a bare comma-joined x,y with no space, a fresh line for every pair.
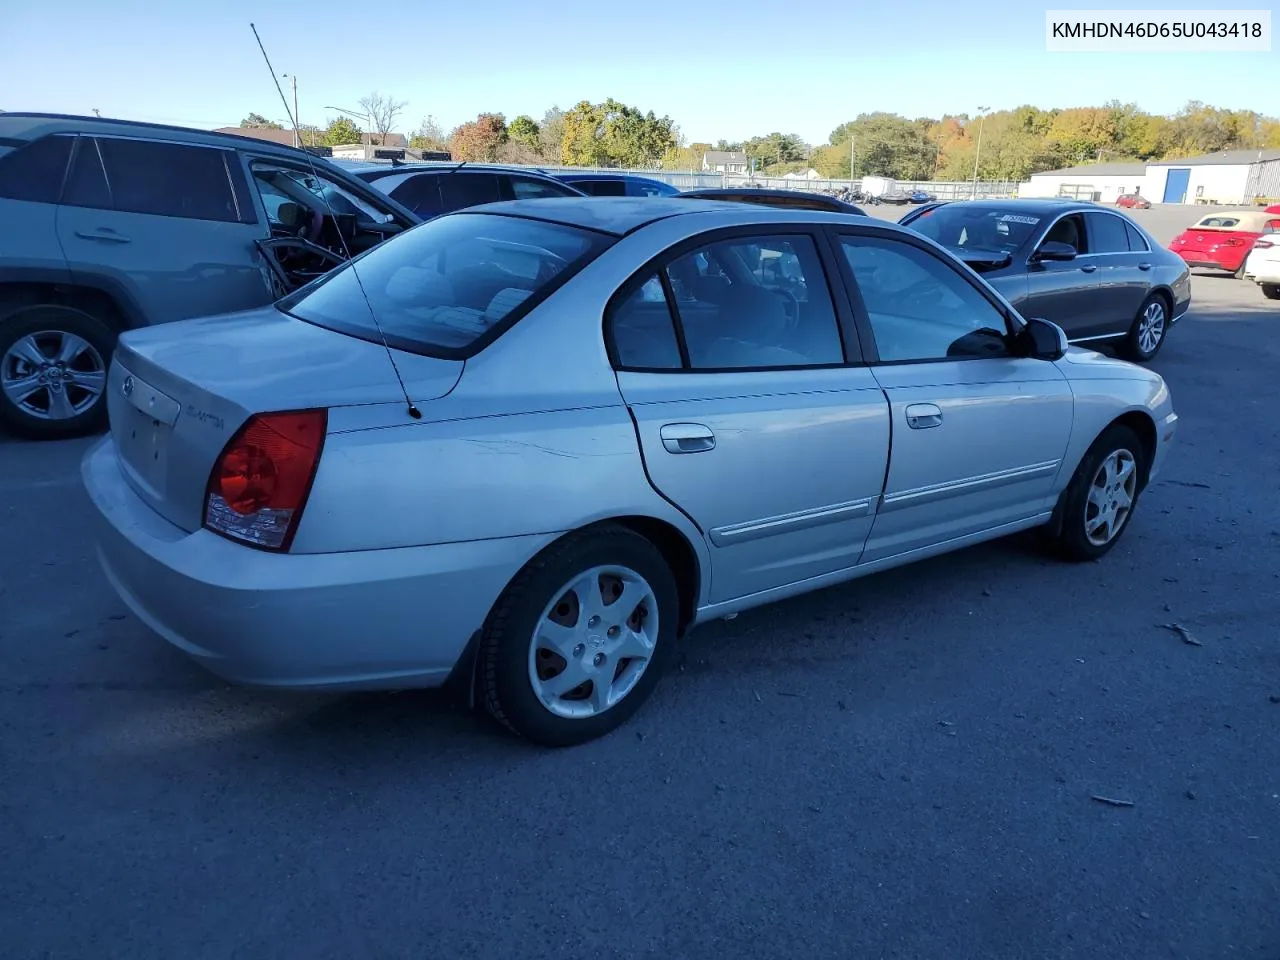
902,767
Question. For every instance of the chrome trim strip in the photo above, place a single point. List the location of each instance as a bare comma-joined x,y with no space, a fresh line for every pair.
1102,336
789,522
956,488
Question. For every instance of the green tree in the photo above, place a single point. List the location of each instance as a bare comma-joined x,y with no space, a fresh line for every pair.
340,132
256,121
480,139
551,135
685,158
524,130
614,134
775,150
428,136
886,145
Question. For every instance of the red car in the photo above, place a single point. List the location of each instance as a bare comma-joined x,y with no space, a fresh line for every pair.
1222,241
1133,201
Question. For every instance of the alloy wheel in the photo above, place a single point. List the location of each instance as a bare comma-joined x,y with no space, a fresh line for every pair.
1111,496
52,375
593,642
1151,327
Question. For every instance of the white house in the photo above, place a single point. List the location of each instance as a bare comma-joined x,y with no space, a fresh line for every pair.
1229,177
725,161
1095,181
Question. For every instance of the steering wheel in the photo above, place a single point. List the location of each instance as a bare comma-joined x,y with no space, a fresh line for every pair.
791,303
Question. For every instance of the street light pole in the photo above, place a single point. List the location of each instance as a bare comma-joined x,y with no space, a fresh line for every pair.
297,142
982,111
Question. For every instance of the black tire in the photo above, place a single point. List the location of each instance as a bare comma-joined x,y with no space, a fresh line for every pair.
45,322
1067,531
1271,291
1132,346
505,685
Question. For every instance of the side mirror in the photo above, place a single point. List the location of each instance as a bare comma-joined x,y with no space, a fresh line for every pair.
1054,250
1043,340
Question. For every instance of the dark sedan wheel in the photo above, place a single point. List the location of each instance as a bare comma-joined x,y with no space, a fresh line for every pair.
53,372
579,639
1271,291
1095,509
1146,336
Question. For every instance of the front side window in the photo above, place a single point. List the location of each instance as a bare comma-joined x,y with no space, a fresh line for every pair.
442,287
421,194
602,188
34,171
755,302
920,308
465,189
1106,234
313,192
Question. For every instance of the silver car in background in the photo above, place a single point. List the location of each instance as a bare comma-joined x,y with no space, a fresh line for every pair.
619,418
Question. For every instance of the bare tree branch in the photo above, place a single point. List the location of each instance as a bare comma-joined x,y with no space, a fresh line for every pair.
382,113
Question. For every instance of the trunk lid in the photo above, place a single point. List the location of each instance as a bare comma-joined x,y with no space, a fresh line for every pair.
176,393
1201,239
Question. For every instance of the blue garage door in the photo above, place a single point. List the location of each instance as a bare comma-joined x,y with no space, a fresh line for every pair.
1175,187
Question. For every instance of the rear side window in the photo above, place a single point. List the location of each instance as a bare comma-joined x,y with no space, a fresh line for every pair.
86,180
643,330
1106,234
461,190
1137,242
647,188
448,287
35,171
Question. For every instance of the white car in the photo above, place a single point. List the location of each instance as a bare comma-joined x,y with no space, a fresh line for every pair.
1262,266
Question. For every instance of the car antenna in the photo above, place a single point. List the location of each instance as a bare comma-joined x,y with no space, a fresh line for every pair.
297,131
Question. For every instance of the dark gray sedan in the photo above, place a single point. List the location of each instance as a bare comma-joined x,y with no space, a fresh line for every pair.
1092,271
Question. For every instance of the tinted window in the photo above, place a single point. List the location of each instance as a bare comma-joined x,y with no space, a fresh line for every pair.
642,330
758,302
440,287
34,171
920,308
994,230
601,188
529,188
460,190
86,182
1107,234
1136,240
168,179
1069,230
649,188
421,194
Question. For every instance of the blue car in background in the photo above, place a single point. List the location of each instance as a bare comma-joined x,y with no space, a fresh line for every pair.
615,184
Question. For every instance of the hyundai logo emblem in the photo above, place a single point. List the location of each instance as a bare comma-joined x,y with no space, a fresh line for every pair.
127,387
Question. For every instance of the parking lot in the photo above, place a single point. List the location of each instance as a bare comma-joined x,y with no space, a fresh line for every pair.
905,766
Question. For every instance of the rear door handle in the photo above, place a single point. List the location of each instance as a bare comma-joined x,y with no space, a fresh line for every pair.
1144,266
103,233
687,438
1089,267
922,416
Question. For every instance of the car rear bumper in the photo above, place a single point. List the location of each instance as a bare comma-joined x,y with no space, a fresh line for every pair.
377,619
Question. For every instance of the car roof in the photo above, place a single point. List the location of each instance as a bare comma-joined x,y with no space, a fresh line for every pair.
33,125
597,175
619,216
710,193
361,167
1045,206
1247,221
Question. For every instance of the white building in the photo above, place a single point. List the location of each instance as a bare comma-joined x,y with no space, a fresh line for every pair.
1228,178
1095,181
725,161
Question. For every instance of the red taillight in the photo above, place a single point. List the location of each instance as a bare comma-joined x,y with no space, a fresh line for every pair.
260,484
1232,242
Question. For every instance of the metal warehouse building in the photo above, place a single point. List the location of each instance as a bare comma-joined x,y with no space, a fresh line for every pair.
1095,181
1227,178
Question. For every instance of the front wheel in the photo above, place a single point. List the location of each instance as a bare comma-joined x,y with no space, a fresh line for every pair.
1095,508
579,639
1146,335
53,372
1271,291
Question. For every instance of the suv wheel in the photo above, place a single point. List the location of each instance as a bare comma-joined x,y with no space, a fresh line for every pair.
53,372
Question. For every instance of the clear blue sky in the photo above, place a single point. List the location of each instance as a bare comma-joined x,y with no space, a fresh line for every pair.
728,70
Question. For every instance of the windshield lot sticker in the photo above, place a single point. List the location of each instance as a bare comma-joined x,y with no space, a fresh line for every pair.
1017,218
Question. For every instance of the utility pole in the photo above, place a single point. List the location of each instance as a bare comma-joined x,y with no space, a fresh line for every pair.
297,142
851,161
978,153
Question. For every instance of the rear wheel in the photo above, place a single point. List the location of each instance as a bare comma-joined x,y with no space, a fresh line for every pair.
1095,509
1146,336
53,371
579,639
1271,291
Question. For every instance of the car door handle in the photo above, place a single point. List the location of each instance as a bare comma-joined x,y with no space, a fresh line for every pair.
687,438
1089,267
1144,266
103,233
922,416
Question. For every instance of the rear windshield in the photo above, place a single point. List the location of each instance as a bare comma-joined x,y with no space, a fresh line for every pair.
442,288
977,228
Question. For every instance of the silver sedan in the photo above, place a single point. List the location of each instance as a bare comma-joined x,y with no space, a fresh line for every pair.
531,445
